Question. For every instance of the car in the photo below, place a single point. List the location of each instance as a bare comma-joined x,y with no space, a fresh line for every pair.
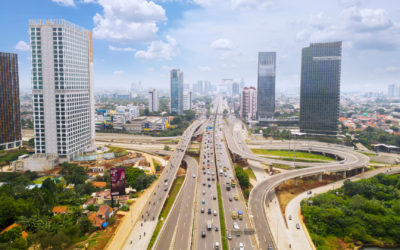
230,199
230,176
204,192
202,210
241,247
309,192
215,197
203,234
229,236
235,225
209,211
227,168
215,213
209,184
208,173
290,217
208,166
208,178
216,228
204,172
341,162
203,201
194,176
236,197
204,183
213,179
225,174
165,180
212,173
297,225
166,188
270,246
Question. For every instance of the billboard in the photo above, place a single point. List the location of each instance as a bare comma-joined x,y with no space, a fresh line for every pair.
117,179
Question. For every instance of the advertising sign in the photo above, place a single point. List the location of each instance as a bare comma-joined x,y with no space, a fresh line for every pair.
117,179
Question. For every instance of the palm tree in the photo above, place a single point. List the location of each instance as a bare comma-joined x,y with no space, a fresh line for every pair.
85,224
77,212
38,196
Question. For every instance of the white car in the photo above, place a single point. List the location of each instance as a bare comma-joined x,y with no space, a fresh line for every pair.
235,225
241,247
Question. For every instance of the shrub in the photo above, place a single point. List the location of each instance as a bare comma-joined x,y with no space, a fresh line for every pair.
246,193
112,220
347,239
125,208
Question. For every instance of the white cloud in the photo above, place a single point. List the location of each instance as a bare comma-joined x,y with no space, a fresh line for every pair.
166,67
222,44
206,3
319,20
118,72
234,55
112,48
303,35
163,75
87,1
352,2
159,50
388,70
204,68
21,45
128,20
251,4
64,2
150,70
366,19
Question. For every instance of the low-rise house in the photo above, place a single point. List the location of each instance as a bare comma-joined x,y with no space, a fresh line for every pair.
104,212
60,210
99,185
24,234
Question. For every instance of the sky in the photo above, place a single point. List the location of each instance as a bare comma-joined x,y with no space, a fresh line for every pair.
141,40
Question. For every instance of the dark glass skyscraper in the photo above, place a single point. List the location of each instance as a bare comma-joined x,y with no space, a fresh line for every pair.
266,86
320,88
176,95
10,120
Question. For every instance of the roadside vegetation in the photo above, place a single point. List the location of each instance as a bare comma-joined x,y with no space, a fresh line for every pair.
299,154
222,218
361,212
226,121
176,186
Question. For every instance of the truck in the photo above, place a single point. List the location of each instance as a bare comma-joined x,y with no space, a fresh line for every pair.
228,186
233,183
233,215
224,169
240,214
209,225
222,139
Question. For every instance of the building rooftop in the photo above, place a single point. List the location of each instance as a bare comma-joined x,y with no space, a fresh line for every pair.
102,210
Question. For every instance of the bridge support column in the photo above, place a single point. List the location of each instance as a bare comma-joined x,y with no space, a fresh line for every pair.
362,170
295,181
344,174
233,156
336,157
320,177
279,187
270,168
245,160
323,153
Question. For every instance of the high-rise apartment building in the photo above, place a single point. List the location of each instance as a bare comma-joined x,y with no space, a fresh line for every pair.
186,87
176,95
248,103
187,100
320,88
392,90
133,87
207,87
266,86
153,100
241,84
235,88
139,87
194,88
63,87
200,88
10,120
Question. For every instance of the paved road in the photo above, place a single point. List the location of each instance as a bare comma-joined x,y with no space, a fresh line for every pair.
177,232
204,180
223,160
146,223
299,237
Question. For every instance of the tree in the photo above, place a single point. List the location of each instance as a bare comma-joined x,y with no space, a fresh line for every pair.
128,122
225,111
176,120
166,148
11,235
388,121
394,128
84,224
190,114
91,207
31,142
19,243
146,112
49,185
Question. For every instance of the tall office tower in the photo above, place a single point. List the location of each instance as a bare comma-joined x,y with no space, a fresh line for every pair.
186,87
153,100
187,100
320,88
266,86
10,120
241,83
392,90
140,88
63,87
176,95
133,87
194,88
248,103
235,88
200,88
207,87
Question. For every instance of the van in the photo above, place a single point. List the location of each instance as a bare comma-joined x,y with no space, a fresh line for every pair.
166,184
217,245
297,225
209,225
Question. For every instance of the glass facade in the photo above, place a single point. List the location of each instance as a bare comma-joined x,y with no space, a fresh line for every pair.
266,86
320,88
176,95
10,123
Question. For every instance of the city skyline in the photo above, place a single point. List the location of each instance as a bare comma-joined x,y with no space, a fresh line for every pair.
228,54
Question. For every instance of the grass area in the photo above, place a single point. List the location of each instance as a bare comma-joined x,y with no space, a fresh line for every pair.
222,218
11,155
291,154
176,186
374,162
226,121
297,159
250,173
285,166
367,154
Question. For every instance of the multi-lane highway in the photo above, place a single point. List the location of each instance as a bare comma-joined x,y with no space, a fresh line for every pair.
142,231
177,232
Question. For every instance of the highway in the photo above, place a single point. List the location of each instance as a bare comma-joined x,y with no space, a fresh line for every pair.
257,202
177,232
230,204
207,190
143,229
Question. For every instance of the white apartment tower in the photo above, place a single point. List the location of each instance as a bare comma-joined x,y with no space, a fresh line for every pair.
187,100
153,100
248,103
63,87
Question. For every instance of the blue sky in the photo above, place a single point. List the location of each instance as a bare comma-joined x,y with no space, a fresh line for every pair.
140,40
